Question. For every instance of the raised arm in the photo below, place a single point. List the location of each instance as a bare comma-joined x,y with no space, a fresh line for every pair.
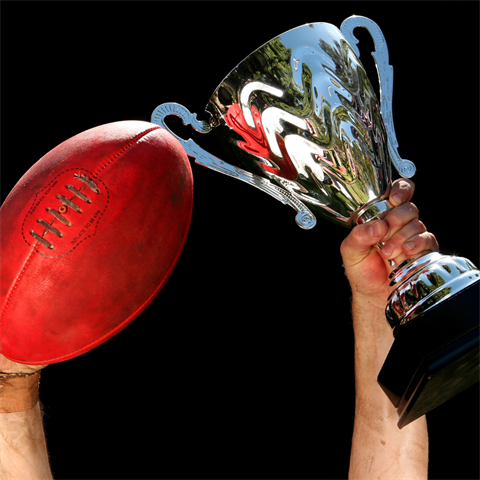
379,448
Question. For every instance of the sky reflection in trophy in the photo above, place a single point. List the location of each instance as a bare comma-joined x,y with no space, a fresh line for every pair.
300,120
301,113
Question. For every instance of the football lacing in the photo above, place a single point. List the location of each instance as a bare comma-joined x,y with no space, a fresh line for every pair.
50,228
66,203
69,203
78,193
59,217
88,182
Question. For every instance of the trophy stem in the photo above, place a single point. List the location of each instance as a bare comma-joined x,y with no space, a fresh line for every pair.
373,211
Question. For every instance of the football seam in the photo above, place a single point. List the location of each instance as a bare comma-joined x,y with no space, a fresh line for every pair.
99,341
15,284
19,276
127,321
128,145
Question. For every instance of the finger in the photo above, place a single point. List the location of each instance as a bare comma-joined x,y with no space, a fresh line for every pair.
423,242
417,245
394,246
401,191
359,242
398,217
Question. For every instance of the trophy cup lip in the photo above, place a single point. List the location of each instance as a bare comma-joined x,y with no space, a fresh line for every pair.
261,46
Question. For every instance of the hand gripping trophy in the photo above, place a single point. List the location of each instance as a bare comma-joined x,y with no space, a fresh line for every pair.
300,121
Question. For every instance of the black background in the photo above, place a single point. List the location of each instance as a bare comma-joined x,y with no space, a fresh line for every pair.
243,365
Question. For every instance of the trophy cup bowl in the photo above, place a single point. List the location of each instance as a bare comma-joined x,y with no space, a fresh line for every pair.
300,120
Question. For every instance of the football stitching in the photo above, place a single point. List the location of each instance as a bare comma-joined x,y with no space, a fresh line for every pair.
134,140
35,246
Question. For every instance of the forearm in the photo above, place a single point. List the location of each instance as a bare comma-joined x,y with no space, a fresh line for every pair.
379,448
23,450
23,447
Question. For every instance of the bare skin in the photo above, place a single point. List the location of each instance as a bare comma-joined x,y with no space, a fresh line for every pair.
379,448
23,449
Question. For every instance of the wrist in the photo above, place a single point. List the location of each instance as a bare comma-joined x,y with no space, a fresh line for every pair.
373,336
18,391
376,302
368,313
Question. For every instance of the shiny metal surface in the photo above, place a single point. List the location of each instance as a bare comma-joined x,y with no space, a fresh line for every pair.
299,119
425,281
301,114
406,168
304,217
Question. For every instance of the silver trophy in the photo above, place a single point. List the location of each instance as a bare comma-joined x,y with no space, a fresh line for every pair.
300,120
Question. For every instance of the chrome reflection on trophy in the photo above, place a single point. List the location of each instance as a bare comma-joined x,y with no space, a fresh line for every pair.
301,114
301,121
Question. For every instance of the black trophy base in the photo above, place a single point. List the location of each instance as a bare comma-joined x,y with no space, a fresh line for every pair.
434,357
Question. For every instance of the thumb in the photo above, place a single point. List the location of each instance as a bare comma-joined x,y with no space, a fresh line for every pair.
357,246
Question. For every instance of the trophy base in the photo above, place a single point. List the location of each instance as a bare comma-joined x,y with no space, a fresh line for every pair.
434,357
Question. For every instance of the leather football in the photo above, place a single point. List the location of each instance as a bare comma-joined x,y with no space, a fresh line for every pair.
89,236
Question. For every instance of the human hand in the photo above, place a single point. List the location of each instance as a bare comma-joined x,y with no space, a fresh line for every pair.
404,235
379,447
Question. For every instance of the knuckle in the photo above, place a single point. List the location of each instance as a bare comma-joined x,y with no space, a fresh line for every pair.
421,225
405,185
418,225
400,215
426,241
432,241
411,208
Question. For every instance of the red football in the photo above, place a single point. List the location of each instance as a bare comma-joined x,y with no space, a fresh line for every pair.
89,236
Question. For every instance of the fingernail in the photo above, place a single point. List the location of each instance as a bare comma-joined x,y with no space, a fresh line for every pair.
375,229
397,198
387,249
410,245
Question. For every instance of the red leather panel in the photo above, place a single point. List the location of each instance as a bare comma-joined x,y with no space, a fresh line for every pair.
113,255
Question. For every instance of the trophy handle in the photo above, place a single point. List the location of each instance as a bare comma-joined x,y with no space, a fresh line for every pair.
304,218
405,168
